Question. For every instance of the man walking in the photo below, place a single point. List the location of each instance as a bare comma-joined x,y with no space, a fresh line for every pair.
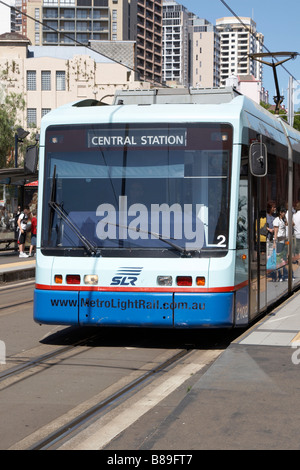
22,224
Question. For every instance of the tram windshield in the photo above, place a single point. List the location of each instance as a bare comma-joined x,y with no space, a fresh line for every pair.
137,190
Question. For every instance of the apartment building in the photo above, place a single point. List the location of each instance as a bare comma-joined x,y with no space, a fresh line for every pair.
191,48
51,76
78,22
7,17
175,43
238,40
71,22
148,35
204,54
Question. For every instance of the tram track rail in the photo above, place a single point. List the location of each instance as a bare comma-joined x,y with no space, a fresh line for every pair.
16,373
73,421
16,303
57,437
70,423
62,433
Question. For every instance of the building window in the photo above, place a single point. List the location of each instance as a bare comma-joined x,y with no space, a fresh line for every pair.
46,80
37,17
45,111
50,38
60,80
31,80
31,116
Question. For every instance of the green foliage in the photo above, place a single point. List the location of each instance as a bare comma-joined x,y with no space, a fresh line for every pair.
12,104
282,111
297,121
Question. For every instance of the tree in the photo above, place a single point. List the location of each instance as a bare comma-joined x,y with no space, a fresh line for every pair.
12,104
297,121
296,124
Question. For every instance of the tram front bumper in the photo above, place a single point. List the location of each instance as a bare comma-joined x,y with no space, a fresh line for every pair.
141,309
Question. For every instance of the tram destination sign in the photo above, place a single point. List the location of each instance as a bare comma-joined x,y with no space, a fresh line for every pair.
176,137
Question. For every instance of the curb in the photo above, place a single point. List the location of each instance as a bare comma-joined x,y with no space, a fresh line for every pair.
18,275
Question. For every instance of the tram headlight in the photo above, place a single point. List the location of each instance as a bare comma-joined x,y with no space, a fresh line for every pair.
91,279
164,280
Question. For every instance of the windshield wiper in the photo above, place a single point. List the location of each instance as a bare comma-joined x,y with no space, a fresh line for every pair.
56,207
92,249
52,199
179,248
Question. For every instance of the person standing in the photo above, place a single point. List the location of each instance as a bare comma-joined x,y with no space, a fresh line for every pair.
22,224
271,215
296,220
17,215
33,233
280,225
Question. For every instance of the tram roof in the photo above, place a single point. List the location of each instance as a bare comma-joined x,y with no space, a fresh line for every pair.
215,105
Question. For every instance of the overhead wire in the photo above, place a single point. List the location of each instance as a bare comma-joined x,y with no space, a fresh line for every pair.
152,82
128,66
257,39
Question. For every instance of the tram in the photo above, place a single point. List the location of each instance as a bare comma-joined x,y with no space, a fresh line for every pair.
150,210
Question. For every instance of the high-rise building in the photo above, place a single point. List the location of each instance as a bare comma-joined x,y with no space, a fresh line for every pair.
7,17
71,22
175,43
191,48
149,30
204,54
80,22
238,40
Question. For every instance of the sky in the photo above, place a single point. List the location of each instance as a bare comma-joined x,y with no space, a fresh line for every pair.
277,20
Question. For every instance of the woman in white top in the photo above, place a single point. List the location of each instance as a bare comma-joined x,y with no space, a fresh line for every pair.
280,223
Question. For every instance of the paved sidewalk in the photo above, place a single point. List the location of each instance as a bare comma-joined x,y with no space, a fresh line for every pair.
249,398
13,268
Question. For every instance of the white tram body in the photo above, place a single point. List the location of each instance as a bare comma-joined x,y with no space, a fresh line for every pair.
150,212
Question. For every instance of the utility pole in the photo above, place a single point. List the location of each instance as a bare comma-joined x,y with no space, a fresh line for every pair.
278,99
291,102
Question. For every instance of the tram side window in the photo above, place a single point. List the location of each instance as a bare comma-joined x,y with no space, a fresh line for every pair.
242,220
277,180
296,185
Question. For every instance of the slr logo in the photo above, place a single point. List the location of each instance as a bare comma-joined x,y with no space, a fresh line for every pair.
126,276
2,353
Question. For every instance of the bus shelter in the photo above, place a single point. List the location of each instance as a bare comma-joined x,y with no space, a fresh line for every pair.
17,189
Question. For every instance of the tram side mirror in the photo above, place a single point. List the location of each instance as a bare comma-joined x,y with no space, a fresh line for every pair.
31,159
258,159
